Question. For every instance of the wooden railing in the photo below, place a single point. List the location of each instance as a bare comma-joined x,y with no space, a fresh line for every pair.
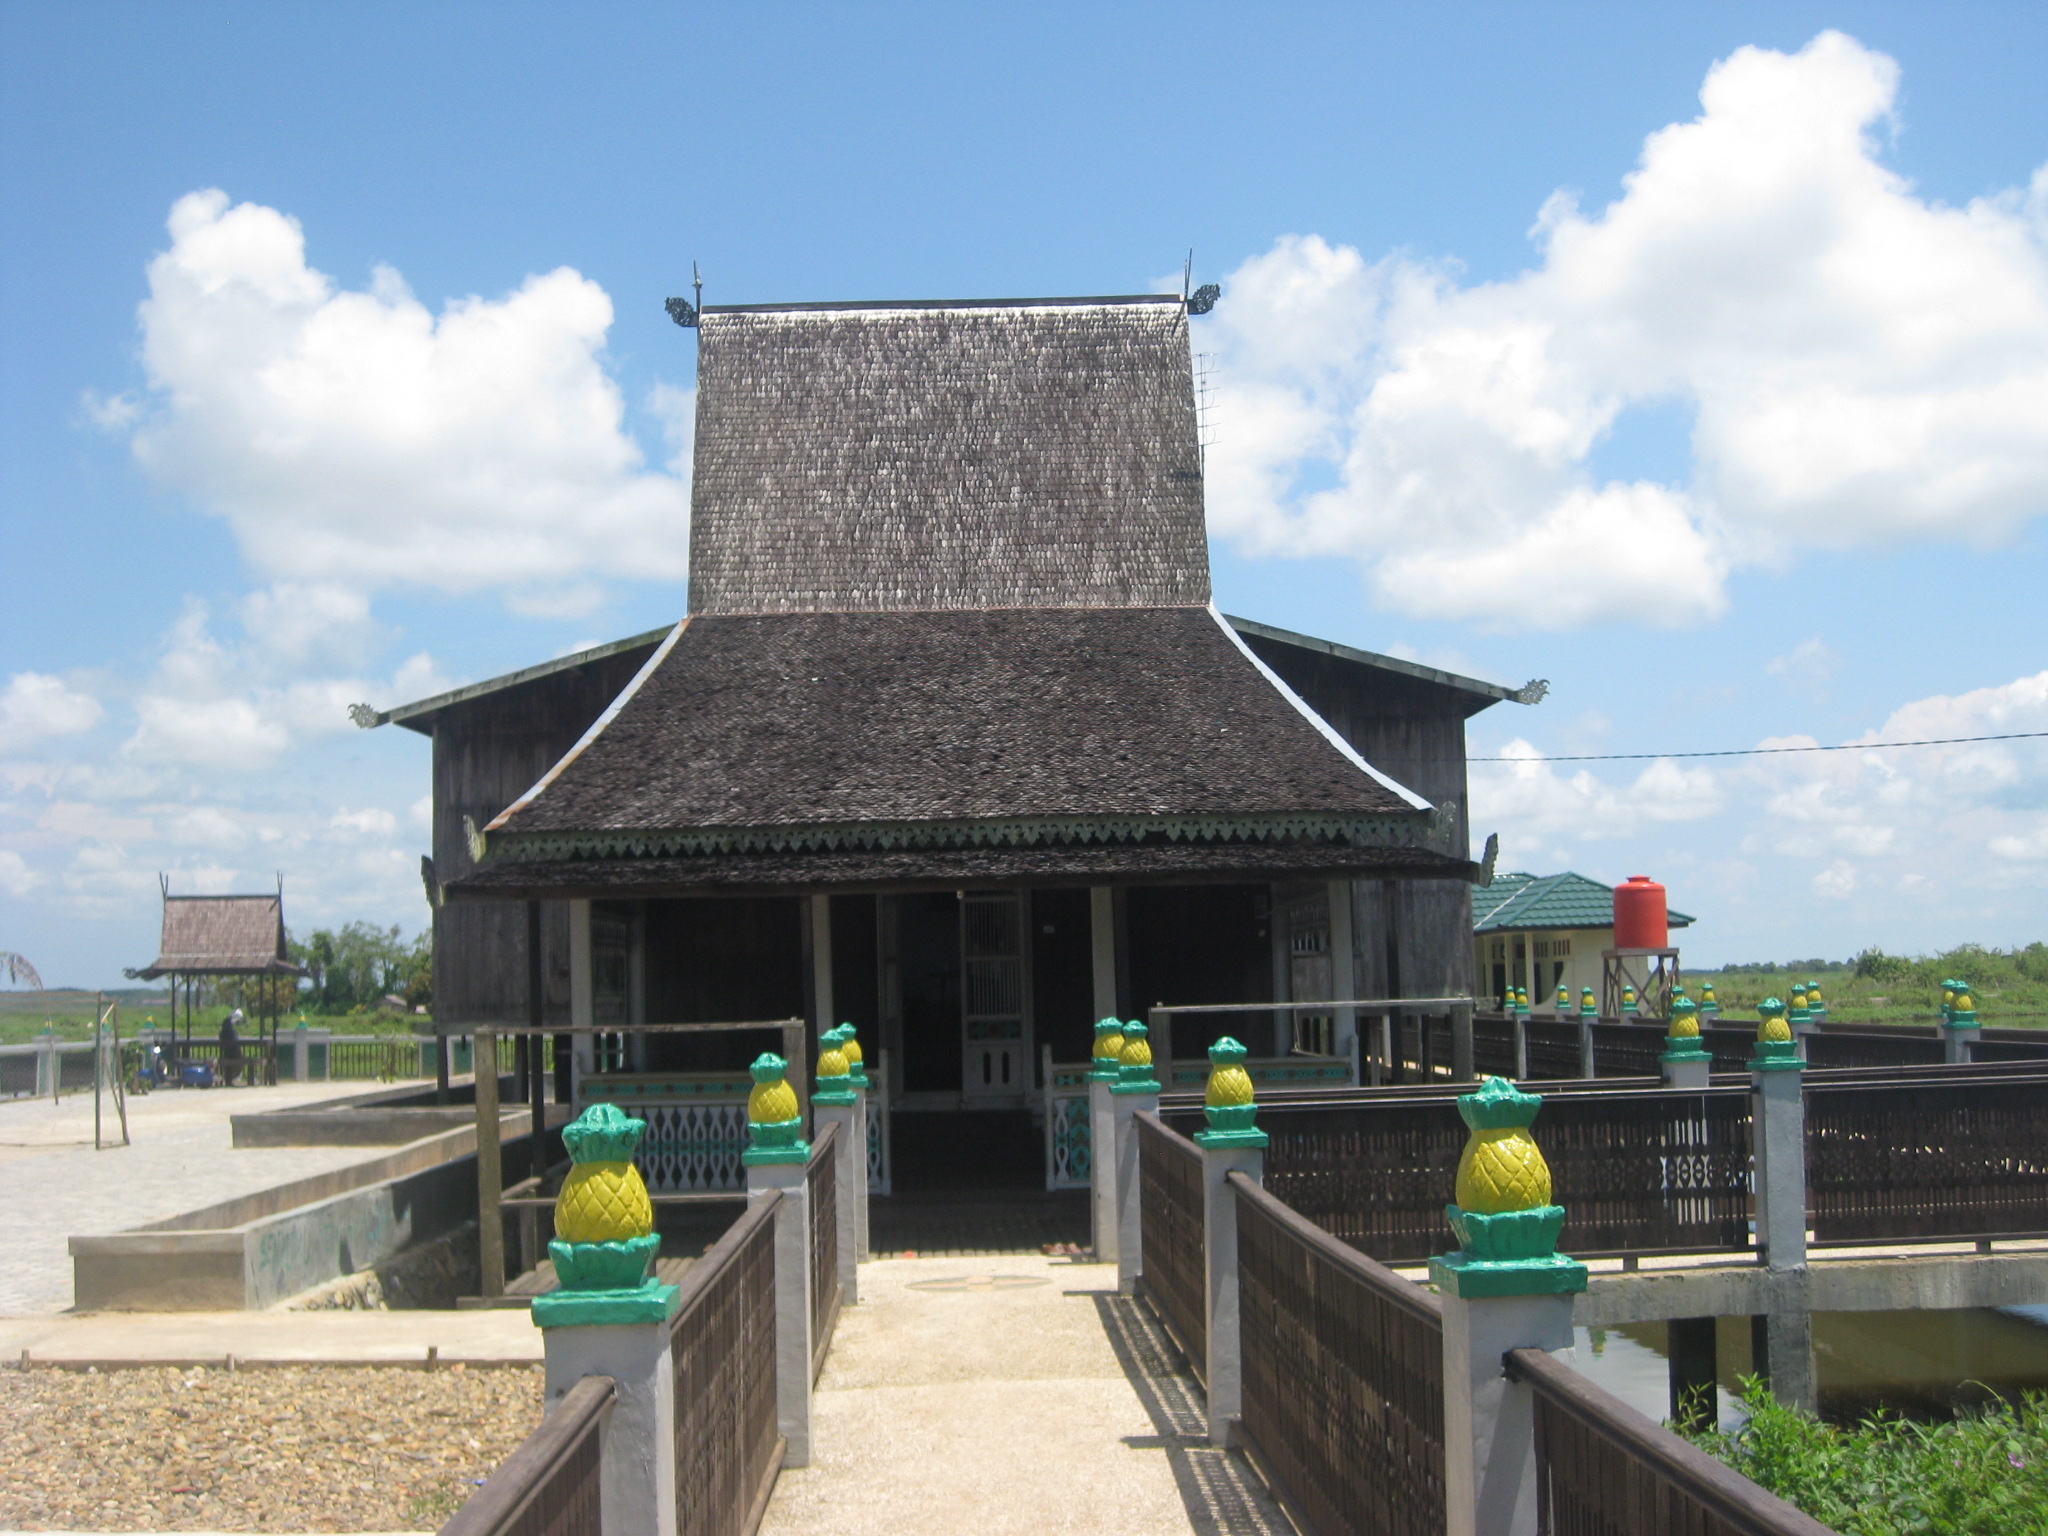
549,1485
1602,1468
1649,1169
1170,1192
722,1343
1343,1377
1943,1154
821,1183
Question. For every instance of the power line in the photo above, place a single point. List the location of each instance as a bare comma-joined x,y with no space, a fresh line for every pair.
1847,746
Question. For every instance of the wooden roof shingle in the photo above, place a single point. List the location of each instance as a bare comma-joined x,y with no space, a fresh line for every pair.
1018,455
221,936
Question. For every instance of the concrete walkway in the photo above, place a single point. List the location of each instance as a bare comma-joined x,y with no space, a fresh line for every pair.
993,1395
53,1185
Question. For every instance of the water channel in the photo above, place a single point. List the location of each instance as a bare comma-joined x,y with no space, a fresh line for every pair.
1923,1365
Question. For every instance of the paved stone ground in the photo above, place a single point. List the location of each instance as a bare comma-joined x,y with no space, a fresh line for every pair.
53,1184
1015,1394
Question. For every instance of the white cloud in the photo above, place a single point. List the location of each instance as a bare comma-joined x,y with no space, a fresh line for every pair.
16,878
34,707
372,821
1860,365
1543,816
360,436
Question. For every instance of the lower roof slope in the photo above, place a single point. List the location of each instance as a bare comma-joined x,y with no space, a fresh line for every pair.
836,731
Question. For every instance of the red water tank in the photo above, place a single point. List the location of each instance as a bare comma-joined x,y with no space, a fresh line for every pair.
1640,921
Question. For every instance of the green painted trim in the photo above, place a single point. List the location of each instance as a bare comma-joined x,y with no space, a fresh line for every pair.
651,1302
766,1157
1140,1085
835,1096
1221,1139
1672,1058
1477,1279
1388,829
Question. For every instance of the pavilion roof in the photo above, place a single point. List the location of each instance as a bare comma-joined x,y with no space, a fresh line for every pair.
221,936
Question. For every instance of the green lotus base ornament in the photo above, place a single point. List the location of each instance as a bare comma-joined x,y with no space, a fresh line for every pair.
1513,1253
605,1284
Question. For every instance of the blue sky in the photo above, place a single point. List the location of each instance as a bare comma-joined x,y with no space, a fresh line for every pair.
1729,419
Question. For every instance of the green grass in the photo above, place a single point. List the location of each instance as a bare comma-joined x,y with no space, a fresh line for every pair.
2010,986
1985,1474
25,1015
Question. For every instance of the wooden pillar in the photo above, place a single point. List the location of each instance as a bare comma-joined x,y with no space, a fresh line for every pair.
582,999
1102,940
490,1173
535,1082
1343,970
821,965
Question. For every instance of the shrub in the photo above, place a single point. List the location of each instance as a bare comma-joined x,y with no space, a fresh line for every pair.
1983,1474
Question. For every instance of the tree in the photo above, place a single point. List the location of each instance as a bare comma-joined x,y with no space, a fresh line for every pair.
359,964
18,969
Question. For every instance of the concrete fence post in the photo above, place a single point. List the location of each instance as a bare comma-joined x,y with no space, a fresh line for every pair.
778,1158
1102,1070
1589,1015
1232,1143
610,1316
1959,1030
46,1064
302,1054
836,1102
1507,1287
1134,1091
856,1063
1521,1034
1778,1137
1686,1064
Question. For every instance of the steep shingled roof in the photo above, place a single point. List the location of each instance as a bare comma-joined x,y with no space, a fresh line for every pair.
1522,901
221,936
1023,454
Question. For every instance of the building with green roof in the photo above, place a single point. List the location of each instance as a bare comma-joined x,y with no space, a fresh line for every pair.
1544,931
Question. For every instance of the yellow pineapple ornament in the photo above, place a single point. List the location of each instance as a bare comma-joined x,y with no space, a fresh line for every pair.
856,1059
1505,1222
1776,1049
1134,1062
605,1241
774,1119
1230,1100
835,1072
1109,1044
604,1199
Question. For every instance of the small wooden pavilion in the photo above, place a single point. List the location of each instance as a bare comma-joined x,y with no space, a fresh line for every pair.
224,936
951,742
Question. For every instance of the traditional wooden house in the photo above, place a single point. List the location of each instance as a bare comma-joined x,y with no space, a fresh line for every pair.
951,742
1542,932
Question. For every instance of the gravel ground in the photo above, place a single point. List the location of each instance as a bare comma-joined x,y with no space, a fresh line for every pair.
275,1449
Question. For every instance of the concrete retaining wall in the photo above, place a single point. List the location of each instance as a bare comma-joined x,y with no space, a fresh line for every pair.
258,1250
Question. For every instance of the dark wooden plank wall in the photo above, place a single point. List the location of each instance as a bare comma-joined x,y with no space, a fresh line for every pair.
487,752
1414,732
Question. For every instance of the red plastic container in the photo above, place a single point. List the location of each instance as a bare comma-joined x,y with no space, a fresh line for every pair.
1641,919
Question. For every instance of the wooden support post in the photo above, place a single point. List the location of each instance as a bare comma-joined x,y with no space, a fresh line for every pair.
490,1173
1343,970
1102,942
